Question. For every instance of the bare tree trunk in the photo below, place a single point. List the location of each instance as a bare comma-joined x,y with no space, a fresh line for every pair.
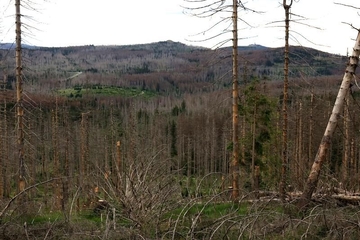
189,166
3,143
118,165
353,165
320,157
66,169
235,113
300,153
6,154
311,122
345,160
55,142
284,107
299,166
253,153
256,181
2,155
83,164
243,122
19,100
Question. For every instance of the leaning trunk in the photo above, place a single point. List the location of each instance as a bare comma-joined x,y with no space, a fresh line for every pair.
320,157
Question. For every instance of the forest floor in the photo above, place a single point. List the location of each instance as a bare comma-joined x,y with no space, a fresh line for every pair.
201,218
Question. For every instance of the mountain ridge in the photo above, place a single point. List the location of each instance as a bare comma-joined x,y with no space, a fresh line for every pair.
165,66
167,43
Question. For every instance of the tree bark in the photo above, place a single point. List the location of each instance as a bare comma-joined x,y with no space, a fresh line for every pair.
19,100
235,113
320,157
284,105
118,165
311,122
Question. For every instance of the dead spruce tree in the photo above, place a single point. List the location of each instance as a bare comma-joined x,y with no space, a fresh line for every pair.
284,103
234,165
211,9
19,100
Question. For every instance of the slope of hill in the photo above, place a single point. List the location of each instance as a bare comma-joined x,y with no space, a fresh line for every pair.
163,67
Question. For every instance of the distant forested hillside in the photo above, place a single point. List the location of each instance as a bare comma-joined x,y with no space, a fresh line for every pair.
164,67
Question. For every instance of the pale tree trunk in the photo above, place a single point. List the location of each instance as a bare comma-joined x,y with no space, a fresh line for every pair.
300,154
345,160
243,122
188,169
321,155
284,155
353,165
253,153
214,149
66,167
299,166
118,166
235,95
311,122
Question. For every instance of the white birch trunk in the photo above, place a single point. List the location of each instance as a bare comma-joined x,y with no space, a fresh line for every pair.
320,157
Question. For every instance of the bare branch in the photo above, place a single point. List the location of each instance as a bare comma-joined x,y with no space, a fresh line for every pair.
24,191
346,5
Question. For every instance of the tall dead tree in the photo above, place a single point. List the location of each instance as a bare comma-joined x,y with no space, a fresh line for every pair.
345,160
320,157
284,155
118,165
57,166
208,9
311,122
235,111
19,99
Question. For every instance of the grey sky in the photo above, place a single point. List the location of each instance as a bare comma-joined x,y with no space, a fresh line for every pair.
119,22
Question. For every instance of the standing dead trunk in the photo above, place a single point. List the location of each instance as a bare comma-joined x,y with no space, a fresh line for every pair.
284,105
2,157
311,122
118,165
83,163
253,152
56,157
320,157
345,161
299,164
235,112
19,100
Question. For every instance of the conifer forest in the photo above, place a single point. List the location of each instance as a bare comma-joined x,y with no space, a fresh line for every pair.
172,141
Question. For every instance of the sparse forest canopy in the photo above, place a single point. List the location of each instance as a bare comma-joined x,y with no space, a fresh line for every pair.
136,141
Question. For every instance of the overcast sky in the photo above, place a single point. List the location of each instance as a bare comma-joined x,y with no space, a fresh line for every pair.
320,24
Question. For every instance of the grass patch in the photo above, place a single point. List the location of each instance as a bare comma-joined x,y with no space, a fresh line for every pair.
210,210
42,218
79,91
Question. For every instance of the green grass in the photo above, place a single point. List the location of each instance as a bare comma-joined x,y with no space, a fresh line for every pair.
78,92
42,218
210,210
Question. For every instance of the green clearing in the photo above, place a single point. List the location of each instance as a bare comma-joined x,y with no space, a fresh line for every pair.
80,91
